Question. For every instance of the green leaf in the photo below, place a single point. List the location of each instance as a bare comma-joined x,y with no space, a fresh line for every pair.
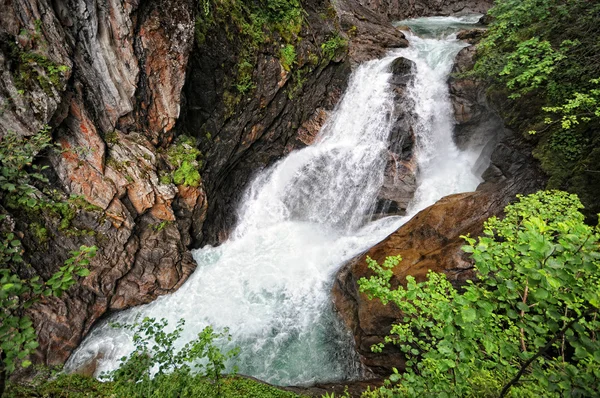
468,314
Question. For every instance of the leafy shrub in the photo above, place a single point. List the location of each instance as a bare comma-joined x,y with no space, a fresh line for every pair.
157,366
533,310
332,45
545,56
18,176
17,335
183,156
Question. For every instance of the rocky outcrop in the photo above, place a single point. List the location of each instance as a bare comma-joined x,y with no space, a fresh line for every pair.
478,125
404,9
400,177
371,35
107,77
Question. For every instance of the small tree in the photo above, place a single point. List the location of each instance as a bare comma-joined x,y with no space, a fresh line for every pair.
532,311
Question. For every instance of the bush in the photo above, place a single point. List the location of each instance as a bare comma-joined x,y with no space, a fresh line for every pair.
156,366
532,311
545,56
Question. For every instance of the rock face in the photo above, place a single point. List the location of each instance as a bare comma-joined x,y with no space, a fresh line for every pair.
404,9
478,126
400,181
247,133
107,76
371,36
431,240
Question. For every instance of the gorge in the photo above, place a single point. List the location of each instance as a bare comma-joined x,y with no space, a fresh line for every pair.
235,163
303,217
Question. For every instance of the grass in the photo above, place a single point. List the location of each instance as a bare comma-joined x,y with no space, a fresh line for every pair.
76,386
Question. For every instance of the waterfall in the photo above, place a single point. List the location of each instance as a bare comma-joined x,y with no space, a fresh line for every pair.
299,221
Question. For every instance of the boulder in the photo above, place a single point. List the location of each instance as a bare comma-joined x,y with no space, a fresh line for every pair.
471,36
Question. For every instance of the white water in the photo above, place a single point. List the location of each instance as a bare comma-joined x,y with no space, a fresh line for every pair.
299,222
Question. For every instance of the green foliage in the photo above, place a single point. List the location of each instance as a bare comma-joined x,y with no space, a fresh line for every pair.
32,67
332,45
287,56
531,64
581,107
77,386
546,56
533,310
251,24
244,82
62,385
18,178
161,225
183,156
156,366
17,171
17,335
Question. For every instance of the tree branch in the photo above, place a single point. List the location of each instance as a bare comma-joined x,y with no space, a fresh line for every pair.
542,350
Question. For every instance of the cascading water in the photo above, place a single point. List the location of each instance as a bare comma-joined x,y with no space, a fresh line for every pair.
299,222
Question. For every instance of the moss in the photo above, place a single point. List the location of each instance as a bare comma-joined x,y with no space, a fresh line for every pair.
230,100
165,179
298,80
331,47
244,82
40,232
32,67
287,56
250,24
183,156
161,225
111,137
77,386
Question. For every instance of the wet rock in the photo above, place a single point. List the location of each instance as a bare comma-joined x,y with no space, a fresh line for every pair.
404,9
400,176
372,35
477,123
471,36
485,19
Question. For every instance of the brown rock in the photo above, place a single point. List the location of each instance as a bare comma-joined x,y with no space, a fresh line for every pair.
373,35
404,9
400,180
430,241
471,36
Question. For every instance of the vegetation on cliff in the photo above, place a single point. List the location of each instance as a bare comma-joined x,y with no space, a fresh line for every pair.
527,326
20,288
545,57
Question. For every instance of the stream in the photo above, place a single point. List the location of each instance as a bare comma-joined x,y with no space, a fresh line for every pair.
301,219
